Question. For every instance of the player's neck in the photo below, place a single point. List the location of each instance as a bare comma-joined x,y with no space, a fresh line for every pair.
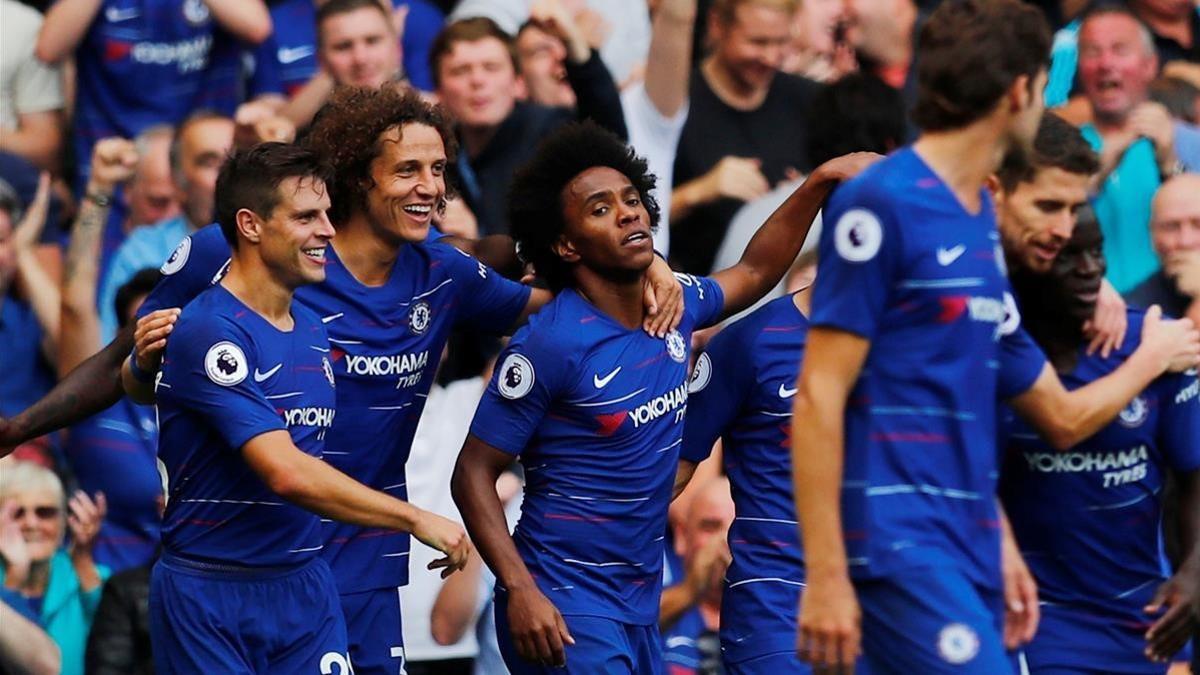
964,158
1058,337
367,257
252,283
620,300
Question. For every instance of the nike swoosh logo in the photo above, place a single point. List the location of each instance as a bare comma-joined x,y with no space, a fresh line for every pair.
115,15
601,382
784,392
259,377
288,55
945,256
332,317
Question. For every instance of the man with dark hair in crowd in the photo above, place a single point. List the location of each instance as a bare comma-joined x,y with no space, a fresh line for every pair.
579,580
475,68
894,461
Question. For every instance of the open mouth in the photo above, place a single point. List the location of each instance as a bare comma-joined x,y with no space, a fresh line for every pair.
636,238
316,255
1047,251
418,210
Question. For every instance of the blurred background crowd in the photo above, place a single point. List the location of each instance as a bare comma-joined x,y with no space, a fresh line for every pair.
128,108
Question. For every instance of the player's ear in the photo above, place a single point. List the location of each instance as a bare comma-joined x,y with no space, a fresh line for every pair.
563,248
249,225
1020,94
994,187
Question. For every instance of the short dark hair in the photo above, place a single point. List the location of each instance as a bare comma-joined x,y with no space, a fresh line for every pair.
856,113
473,29
968,55
535,200
1058,144
346,131
250,180
337,7
140,283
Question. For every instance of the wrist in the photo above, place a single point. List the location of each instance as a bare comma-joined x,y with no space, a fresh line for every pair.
1149,362
144,375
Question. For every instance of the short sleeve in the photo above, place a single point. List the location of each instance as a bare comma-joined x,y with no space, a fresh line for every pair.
858,263
199,261
719,385
1021,359
703,299
528,375
205,372
266,77
1179,423
486,300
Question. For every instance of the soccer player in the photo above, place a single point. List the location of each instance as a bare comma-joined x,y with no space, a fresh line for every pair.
1100,502
914,339
389,301
594,407
246,398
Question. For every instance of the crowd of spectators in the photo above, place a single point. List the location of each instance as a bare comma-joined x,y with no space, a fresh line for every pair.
115,116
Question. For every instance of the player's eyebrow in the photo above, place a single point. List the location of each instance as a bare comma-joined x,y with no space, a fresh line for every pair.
597,195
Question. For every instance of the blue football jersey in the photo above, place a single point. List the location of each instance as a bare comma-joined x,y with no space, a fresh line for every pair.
904,265
1088,520
228,376
741,392
114,452
386,344
595,411
287,60
141,62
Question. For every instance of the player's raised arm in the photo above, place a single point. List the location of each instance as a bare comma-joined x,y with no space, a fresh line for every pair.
775,246
1066,418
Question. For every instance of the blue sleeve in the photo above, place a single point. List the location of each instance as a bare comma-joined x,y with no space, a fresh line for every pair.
719,385
1179,423
486,301
523,385
1021,359
703,299
858,262
198,262
422,25
205,372
266,77
20,605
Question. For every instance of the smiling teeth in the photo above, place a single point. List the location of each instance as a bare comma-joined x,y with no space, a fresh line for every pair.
419,209
318,253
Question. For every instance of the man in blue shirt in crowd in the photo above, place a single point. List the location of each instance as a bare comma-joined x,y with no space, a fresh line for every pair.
594,407
228,539
915,337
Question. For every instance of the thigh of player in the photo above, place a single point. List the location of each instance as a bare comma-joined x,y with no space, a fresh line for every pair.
375,630
602,647
310,608
1075,641
932,621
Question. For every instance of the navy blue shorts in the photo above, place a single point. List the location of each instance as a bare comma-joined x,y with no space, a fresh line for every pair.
1073,640
211,619
602,647
932,621
375,631
781,663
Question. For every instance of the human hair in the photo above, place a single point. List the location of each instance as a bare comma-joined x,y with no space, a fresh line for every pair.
22,476
856,113
176,151
337,7
1120,9
250,179
725,11
968,55
1058,144
346,134
10,202
473,29
140,283
535,200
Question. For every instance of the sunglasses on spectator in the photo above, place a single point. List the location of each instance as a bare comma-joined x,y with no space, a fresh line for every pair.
41,512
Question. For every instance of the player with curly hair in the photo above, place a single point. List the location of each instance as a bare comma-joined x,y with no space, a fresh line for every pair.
594,407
